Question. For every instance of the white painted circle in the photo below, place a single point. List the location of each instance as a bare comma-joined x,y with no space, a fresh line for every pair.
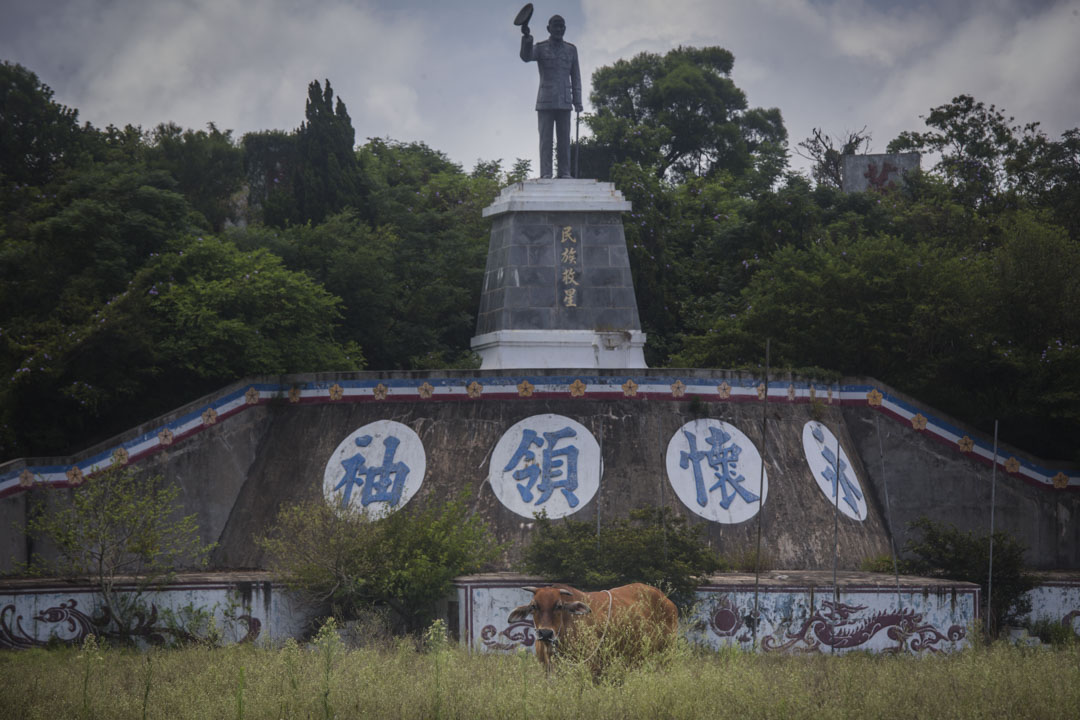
546,463
820,447
386,463
716,471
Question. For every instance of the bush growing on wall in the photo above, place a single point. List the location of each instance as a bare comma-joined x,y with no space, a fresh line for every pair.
346,562
120,531
653,545
946,552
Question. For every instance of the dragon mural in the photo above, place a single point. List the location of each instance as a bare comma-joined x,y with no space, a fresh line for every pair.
836,626
72,626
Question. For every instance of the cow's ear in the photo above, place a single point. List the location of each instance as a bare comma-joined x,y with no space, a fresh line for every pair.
519,613
577,608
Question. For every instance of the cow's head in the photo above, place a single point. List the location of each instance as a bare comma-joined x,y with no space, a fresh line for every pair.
552,609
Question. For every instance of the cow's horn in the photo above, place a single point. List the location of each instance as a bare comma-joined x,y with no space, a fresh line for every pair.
530,589
564,591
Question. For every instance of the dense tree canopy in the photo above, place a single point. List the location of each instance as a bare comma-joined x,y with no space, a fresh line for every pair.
141,269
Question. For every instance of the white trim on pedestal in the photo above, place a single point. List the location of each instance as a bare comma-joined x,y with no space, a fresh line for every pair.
564,195
544,349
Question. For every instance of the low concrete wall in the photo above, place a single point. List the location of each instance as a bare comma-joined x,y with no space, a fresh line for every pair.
244,607
798,612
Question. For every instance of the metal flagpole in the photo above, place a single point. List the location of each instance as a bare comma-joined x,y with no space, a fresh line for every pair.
761,492
888,513
993,486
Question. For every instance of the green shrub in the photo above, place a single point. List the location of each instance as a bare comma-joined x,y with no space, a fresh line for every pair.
653,546
350,563
944,551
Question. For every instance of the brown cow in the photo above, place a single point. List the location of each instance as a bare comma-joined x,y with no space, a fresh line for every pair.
637,608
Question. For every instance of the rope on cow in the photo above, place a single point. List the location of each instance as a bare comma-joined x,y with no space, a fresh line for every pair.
603,634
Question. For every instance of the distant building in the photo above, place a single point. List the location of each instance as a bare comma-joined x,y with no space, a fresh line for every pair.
877,172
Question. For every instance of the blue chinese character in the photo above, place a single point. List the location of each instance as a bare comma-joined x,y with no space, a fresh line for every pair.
830,475
382,483
851,493
723,459
549,471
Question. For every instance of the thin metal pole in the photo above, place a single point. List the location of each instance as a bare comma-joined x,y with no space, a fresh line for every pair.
761,491
836,518
598,495
993,486
888,512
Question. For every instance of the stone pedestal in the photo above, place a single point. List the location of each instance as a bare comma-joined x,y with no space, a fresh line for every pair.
557,288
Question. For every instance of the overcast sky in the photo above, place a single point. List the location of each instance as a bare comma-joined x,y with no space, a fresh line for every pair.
447,73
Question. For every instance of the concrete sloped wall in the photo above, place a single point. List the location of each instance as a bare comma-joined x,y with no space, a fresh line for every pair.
797,520
239,454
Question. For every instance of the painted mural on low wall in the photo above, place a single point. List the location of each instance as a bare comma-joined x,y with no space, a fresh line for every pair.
547,463
789,619
716,471
243,612
376,469
17,477
1056,601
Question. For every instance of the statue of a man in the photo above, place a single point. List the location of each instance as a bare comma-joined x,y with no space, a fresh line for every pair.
560,90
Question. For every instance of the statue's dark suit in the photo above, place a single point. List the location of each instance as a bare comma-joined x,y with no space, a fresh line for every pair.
560,91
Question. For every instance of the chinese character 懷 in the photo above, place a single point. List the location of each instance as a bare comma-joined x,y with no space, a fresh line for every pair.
723,458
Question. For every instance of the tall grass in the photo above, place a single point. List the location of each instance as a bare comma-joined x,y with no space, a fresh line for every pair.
400,682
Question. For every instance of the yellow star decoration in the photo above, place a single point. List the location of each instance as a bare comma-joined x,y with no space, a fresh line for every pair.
251,397
120,456
336,391
75,476
1012,465
830,396
966,444
918,421
577,388
165,437
475,389
629,388
678,389
1061,481
26,478
426,390
724,390
761,391
525,388
209,416
294,394
380,392
813,393
791,392
873,398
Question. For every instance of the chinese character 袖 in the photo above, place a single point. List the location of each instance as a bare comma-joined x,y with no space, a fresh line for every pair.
382,483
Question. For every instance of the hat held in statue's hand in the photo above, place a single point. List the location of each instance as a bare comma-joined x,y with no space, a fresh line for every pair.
524,15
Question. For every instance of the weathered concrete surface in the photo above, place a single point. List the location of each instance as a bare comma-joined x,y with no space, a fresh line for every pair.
271,446
927,478
797,520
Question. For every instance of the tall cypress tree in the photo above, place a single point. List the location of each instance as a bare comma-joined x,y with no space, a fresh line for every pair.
327,176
